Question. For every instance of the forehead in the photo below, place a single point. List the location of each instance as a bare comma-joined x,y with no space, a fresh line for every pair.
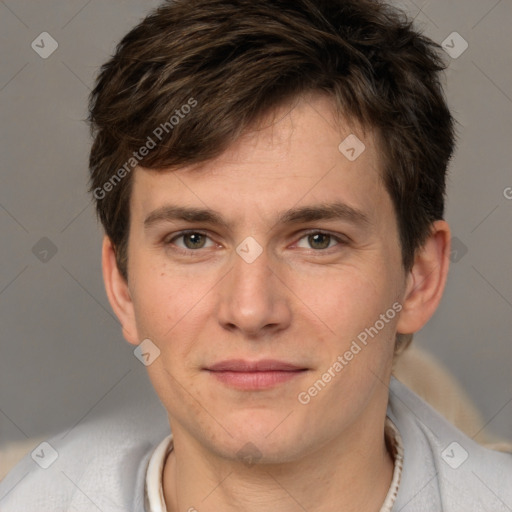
299,154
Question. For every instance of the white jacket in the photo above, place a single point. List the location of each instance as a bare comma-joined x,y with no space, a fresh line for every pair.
101,464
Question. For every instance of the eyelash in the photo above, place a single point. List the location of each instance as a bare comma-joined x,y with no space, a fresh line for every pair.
190,252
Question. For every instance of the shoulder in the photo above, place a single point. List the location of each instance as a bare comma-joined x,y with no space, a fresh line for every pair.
442,465
98,464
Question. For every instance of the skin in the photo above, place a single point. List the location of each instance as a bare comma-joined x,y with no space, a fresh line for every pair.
302,300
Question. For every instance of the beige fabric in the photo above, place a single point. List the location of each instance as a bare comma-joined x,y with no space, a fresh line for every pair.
427,377
12,453
417,369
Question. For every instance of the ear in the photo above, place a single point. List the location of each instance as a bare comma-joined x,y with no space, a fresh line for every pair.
118,292
426,280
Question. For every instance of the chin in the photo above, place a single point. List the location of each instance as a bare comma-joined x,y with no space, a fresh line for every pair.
270,438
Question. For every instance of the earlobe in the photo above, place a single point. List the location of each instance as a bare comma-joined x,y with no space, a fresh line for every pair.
118,292
426,280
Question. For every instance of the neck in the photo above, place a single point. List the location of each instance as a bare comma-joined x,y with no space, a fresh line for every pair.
352,473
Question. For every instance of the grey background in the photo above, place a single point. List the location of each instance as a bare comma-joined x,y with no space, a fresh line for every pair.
61,349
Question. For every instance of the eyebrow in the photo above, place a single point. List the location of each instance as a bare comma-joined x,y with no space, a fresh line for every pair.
304,214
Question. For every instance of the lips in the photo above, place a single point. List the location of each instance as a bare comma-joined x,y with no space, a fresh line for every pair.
254,375
265,365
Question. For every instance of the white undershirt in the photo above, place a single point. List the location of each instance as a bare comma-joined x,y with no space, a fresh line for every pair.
154,495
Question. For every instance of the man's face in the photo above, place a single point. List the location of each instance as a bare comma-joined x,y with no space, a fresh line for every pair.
209,298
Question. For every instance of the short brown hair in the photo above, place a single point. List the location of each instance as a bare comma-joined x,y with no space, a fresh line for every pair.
233,61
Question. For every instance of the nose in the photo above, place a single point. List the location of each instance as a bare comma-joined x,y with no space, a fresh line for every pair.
253,299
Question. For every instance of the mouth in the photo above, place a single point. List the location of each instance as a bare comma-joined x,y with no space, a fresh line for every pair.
256,375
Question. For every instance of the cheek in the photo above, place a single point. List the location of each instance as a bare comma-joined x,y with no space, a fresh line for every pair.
346,300
161,295
153,304
172,307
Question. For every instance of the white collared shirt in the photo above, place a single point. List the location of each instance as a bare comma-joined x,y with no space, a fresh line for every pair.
154,495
